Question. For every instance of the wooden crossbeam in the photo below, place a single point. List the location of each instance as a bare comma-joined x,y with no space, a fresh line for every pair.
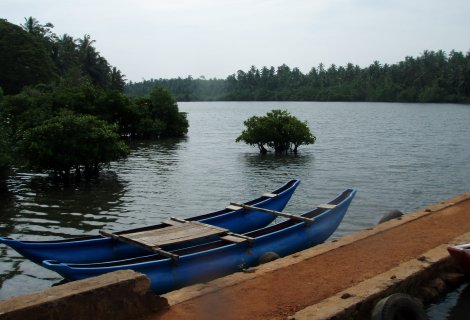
327,206
167,254
109,235
234,208
179,220
277,213
231,238
270,195
174,221
241,236
236,238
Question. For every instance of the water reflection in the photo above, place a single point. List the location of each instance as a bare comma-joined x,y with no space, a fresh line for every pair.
461,310
454,306
260,167
39,208
46,208
10,268
149,172
272,161
150,158
167,146
7,210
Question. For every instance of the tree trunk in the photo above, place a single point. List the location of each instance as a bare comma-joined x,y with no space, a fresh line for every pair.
295,149
262,149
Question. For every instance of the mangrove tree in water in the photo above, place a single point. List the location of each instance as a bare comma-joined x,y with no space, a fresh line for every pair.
278,130
69,141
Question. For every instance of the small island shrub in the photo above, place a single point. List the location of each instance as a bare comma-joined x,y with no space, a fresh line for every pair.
278,130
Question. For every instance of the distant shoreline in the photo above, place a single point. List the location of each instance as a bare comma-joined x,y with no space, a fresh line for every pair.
433,77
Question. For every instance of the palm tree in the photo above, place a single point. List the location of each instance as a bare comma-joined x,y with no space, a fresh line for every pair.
117,80
93,65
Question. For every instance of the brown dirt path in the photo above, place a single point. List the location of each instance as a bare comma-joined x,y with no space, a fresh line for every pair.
280,293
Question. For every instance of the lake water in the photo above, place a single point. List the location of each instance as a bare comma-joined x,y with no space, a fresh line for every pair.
398,156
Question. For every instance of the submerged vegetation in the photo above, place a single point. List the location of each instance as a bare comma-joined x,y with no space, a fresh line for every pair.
432,77
62,109
71,141
278,130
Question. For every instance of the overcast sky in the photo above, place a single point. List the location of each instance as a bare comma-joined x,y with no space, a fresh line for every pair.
215,38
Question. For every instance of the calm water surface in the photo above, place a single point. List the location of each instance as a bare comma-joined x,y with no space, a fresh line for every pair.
398,156
454,305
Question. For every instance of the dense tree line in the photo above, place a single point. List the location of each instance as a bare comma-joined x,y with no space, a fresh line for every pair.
433,76
62,109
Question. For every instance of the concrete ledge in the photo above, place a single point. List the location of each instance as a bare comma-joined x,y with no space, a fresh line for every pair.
414,277
198,290
118,295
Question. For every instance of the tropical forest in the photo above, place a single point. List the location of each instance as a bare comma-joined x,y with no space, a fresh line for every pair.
434,76
62,106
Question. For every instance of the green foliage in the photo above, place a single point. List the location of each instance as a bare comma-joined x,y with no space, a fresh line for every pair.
23,59
160,116
33,118
86,98
73,117
257,133
431,77
279,130
5,149
117,80
165,108
35,54
67,141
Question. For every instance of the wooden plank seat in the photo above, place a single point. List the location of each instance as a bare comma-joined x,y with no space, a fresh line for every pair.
177,231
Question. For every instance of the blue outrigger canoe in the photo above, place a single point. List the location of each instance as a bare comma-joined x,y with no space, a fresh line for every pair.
101,248
218,258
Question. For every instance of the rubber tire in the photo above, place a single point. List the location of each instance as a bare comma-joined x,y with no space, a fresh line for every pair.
268,257
398,306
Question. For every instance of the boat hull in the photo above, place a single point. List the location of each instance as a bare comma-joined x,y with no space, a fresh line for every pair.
461,256
97,248
210,261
